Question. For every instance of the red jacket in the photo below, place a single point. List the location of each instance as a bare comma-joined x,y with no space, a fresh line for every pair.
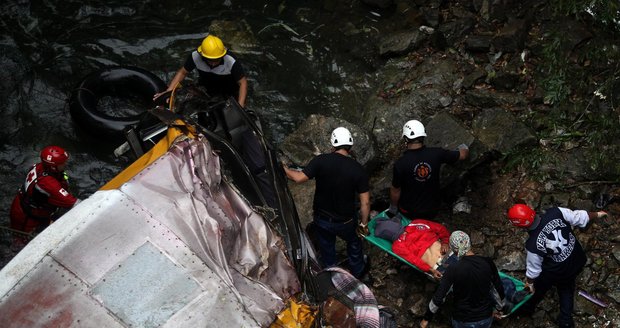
418,236
39,198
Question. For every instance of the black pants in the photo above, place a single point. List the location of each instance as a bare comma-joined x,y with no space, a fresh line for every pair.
566,291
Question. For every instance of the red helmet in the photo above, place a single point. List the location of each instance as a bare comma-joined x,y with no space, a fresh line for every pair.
54,156
521,215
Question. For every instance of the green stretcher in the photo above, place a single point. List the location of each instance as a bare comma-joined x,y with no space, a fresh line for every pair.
386,245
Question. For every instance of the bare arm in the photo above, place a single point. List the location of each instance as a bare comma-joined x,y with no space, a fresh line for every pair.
178,77
243,91
364,207
463,151
394,196
297,176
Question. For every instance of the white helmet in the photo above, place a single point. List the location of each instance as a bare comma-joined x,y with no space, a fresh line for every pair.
341,137
413,129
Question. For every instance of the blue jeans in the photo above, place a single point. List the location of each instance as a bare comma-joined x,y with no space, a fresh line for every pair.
485,323
326,236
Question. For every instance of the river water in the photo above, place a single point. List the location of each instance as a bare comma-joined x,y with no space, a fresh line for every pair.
301,57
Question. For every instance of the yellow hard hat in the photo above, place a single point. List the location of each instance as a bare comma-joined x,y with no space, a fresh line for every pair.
212,47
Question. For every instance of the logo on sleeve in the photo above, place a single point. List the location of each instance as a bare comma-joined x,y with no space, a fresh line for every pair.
63,192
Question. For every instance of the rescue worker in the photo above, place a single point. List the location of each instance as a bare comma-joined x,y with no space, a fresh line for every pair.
472,280
339,179
218,69
415,180
554,255
45,190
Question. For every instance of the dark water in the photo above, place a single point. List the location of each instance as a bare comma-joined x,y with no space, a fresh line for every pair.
301,57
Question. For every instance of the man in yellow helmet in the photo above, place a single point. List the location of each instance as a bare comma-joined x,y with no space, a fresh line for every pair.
219,71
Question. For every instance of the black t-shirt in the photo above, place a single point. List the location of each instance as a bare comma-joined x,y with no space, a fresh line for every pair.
221,80
471,280
339,181
554,240
416,173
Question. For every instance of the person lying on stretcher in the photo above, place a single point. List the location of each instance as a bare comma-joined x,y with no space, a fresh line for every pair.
423,244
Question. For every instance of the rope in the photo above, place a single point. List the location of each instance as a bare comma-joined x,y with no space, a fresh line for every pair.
28,234
171,103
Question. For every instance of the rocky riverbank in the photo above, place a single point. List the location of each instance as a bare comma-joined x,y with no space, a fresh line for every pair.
531,92
471,72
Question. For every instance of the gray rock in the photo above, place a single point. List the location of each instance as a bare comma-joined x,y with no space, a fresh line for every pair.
379,3
456,30
478,43
420,304
505,80
312,138
615,250
490,98
401,43
511,262
512,36
500,130
473,77
408,92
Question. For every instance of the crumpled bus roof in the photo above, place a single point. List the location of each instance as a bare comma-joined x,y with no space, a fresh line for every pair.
169,244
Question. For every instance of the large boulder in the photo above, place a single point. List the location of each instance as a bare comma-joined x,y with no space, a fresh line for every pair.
312,138
500,130
408,91
15,78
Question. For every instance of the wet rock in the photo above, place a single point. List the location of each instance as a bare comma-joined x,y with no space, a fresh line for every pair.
499,130
478,43
477,238
379,3
431,15
15,69
487,249
396,289
456,30
585,307
420,304
615,250
13,89
312,138
462,205
407,92
237,35
576,33
505,80
512,36
473,77
511,262
489,98
401,43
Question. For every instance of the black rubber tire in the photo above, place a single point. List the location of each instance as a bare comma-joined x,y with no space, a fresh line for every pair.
117,81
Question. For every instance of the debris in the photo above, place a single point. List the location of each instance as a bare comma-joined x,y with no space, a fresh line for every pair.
592,299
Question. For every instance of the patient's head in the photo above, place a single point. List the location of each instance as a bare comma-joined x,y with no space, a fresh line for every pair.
460,243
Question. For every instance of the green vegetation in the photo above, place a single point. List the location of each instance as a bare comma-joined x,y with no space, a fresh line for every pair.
581,84
603,11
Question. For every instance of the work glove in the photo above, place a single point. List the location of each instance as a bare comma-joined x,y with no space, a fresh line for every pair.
462,146
362,230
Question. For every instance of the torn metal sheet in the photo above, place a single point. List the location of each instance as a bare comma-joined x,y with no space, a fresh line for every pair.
174,246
